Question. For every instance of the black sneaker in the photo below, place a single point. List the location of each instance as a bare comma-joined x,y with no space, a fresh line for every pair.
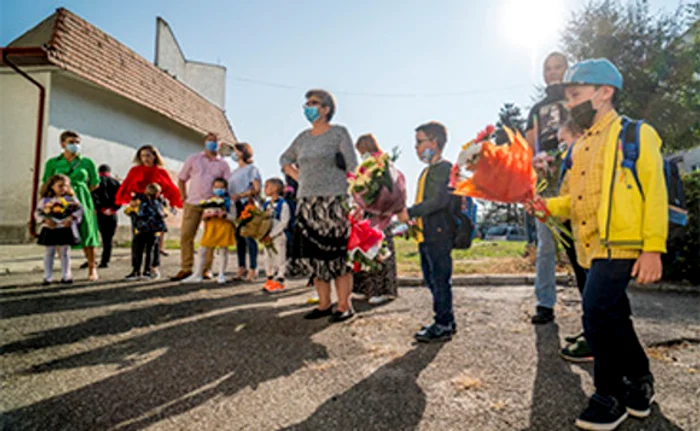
573,338
341,316
46,282
578,351
544,315
84,265
317,314
434,334
640,396
602,414
453,326
133,276
66,281
103,265
146,275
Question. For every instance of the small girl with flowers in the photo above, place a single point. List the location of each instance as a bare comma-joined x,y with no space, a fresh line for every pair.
59,213
219,232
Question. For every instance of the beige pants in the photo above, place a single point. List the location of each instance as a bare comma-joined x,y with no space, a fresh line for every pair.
191,217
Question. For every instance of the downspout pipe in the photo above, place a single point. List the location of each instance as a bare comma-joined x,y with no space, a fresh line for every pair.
6,53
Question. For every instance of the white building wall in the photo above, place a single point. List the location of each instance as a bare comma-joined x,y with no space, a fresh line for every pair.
18,116
208,80
112,128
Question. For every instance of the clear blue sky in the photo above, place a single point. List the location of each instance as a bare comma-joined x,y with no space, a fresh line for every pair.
487,50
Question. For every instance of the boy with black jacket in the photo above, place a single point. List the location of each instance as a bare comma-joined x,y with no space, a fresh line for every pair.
432,212
104,197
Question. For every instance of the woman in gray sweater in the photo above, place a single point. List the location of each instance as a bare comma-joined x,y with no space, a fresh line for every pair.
319,159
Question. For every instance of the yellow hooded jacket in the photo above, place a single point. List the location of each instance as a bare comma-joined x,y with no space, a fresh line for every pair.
628,219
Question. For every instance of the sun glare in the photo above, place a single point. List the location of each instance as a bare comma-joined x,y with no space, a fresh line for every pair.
532,23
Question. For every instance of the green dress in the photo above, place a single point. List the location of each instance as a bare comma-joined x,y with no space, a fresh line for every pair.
83,175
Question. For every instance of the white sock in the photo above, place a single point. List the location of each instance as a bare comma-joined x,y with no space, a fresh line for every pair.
64,252
48,262
199,266
223,261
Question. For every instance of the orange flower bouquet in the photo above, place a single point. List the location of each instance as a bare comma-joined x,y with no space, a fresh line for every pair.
502,173
254,223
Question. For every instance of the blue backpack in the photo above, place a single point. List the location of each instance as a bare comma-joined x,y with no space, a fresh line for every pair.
677,211
464,216
278,213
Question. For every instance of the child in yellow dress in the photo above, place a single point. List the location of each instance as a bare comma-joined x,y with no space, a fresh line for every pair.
219,233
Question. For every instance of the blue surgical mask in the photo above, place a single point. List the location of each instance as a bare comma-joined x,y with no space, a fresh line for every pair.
311,113
211,146
73,148
220,192
427,155
235,157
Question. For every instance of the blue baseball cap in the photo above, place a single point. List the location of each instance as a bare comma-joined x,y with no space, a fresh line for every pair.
597,71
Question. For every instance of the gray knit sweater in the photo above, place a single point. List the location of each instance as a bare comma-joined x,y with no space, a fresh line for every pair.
319,174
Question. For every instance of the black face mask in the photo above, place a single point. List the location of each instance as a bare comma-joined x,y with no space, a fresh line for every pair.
583,114
555,91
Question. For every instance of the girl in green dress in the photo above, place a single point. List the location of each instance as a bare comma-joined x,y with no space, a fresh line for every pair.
84,178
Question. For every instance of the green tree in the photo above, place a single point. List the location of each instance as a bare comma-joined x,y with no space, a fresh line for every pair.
658,56
511,116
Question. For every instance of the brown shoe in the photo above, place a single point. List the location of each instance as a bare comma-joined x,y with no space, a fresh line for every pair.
181,275
207,275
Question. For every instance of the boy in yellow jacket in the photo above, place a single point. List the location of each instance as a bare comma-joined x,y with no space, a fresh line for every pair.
620,228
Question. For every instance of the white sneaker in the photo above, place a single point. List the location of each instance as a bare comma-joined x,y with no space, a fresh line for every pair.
192,279
377,300
221,279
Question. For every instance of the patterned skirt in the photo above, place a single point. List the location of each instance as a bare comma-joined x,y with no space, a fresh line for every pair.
321,233
383,280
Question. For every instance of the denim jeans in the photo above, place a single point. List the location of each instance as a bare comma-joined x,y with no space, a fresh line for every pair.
436,264
247,246
530,229
608,327
579,272
546,278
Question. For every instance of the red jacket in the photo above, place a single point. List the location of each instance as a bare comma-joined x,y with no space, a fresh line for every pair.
139,177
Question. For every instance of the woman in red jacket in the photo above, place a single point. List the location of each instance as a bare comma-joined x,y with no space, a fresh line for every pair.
149,169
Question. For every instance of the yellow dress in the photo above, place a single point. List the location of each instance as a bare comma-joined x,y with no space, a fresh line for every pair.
218,232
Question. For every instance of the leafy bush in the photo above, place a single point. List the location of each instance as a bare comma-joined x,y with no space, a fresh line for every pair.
687,266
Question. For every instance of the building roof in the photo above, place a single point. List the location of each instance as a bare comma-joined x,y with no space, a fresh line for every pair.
77,46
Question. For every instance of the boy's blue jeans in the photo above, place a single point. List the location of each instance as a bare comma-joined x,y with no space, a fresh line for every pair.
436,264
608,327
546,278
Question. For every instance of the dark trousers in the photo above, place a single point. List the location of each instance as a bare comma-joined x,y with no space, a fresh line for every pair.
436,264
108,226
145,244
608,327
246,246
579,272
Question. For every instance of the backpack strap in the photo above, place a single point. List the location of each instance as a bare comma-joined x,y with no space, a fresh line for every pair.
629,137
567,164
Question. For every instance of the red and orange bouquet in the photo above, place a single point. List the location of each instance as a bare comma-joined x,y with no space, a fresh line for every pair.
367,250
502,173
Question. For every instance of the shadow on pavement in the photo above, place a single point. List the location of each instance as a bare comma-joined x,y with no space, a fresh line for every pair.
172,370
389,399
558,397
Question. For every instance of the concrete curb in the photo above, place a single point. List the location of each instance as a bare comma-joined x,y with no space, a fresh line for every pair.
487,280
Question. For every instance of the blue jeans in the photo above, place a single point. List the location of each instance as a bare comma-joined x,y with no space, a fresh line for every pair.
546,277
246,246
608,327
436,264
530,229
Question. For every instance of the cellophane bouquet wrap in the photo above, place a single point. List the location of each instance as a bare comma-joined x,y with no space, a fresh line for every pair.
378,188
502,173
254,223
214,207
367,249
